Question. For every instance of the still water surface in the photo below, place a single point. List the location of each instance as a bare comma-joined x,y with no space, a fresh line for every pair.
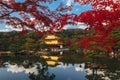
39,70
61,72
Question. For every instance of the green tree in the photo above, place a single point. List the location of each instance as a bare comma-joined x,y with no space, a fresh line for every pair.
15,48
116,34
4,44
29,44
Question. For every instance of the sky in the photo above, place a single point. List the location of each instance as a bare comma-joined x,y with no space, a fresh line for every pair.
77,9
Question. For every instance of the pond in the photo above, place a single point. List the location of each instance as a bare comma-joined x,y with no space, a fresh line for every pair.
35,68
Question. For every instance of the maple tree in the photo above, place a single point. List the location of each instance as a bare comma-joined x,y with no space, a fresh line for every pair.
36,15
104,18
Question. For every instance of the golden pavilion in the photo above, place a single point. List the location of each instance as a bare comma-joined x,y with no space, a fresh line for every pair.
52,39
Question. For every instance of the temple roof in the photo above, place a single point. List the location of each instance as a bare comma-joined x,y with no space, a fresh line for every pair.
52,36
51,39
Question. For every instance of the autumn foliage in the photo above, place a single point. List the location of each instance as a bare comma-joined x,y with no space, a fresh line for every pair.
35,15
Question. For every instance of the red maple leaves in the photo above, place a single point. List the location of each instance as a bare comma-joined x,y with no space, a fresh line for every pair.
102,19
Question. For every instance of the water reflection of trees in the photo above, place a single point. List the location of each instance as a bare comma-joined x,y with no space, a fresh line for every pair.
36,69
112,72
43,73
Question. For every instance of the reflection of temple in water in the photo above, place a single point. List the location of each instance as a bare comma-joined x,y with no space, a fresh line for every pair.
51,60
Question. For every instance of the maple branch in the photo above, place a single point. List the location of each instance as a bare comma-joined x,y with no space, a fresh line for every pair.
5,5
6,14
